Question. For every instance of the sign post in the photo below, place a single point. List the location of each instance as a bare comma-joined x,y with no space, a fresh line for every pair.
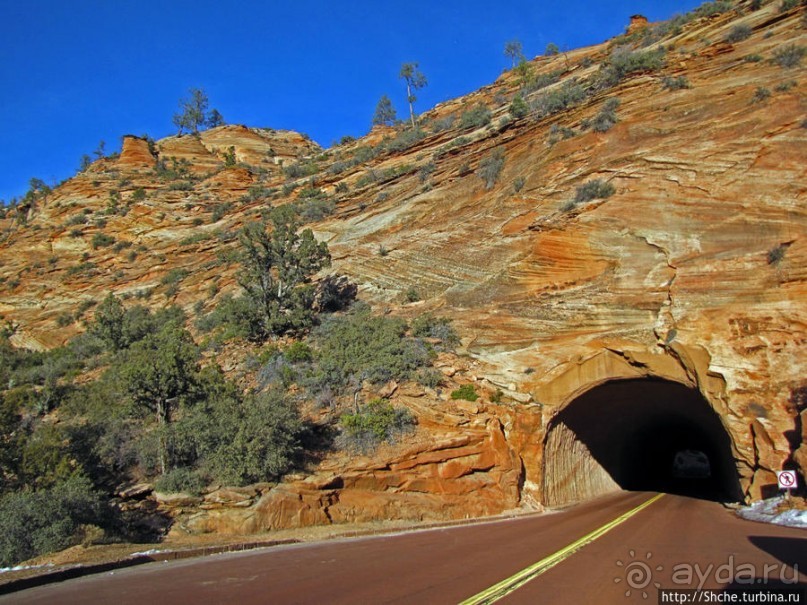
787,481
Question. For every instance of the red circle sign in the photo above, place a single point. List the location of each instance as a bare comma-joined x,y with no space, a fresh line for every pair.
786,479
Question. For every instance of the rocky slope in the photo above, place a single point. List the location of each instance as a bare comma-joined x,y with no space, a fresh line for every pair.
693,271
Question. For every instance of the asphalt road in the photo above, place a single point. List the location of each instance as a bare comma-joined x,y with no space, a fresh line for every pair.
682,536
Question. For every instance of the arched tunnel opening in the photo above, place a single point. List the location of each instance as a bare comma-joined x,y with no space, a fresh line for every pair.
638,435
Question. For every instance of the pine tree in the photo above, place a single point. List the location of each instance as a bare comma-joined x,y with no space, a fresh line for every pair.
415,80
384,112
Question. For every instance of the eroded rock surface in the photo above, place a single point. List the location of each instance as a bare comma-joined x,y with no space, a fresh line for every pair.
694,271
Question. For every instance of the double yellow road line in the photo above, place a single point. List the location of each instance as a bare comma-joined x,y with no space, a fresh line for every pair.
516,581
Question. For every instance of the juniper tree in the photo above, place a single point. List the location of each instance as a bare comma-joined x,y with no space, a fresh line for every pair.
277,268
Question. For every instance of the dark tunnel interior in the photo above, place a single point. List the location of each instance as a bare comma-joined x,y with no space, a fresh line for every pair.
648,435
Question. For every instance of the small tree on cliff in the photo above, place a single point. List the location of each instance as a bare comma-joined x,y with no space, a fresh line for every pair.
277,272
514,51
415,80
214,118
193,113
384,112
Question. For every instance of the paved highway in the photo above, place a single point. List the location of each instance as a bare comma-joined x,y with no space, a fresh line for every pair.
630,543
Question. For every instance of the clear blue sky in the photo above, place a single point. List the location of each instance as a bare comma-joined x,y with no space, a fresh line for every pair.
75,72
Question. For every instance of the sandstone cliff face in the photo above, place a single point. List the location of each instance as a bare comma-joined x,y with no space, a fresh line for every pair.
694,271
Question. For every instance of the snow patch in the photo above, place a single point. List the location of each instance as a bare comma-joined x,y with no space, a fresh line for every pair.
145,552
22,567
765,511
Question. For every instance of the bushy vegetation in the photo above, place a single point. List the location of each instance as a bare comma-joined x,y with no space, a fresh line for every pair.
789,56
490,167
675,82
776,254
625,62
476,117
102,240
518,107
606,118
466,392
554,101
595,189
439,328
360,346
374,423
534,83
739,33
39,521
761,94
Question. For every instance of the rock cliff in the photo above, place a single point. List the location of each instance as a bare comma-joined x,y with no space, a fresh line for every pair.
693,272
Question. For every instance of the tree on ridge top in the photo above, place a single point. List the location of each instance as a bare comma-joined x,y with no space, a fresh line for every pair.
385,112
193,113
414,80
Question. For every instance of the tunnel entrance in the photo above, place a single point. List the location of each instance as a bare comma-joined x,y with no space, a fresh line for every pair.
644,434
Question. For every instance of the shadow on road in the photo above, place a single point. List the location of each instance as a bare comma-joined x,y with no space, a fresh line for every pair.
791,551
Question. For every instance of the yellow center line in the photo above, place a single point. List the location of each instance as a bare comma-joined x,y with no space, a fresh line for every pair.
516,581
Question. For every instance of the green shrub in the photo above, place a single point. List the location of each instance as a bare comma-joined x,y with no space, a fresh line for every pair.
364,154
606,118
739,33
789,56
411,295
675,83
625,62
297,352
174,276
786,86
375,423
443,124
316,209
476,117
180,186
787,5
776,254
430,377
542,81
36,522
430,326
239,442
567,94
754,58
77,219
518,107
490,167
360,346
558,132
181,480
596,189
85,268
709,9
301,169
101,240
761,94
219,210
466,392
403,141
518,183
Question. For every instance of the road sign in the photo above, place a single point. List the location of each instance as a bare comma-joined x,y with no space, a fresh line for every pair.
786,479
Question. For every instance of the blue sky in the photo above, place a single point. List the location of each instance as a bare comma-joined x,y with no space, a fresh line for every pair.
74,73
